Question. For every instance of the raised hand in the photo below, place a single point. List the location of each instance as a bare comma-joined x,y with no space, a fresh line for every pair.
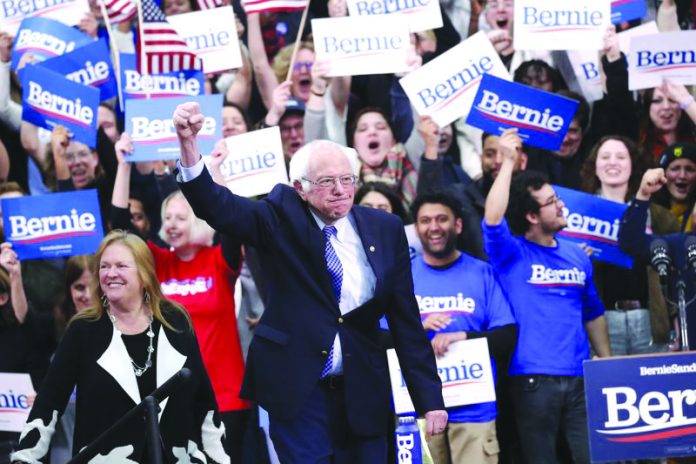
652,181
188,120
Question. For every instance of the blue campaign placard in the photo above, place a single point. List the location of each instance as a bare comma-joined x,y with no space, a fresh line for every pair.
149,124
49,99
641,407
541,117
45,38
627,10
175,84
88,65
52,225
594,221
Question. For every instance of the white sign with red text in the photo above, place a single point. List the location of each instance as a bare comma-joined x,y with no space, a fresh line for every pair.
465,371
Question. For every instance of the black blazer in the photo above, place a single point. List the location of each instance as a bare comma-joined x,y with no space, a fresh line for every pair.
93,358
301,319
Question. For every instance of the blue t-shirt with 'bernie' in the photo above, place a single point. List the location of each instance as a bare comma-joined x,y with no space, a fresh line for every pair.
469,292
552,296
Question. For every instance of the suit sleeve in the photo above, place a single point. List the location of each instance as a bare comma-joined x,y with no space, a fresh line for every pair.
415,354
252,221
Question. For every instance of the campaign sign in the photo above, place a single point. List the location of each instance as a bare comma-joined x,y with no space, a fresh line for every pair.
174,84
152,132
627,10
641,407
363,45
586,64
541,117
255,163
465,371
88,65
52,225
45,38
670,55
587,71
212,35
560,25
68,12
50,99
422,15
15,390
445,87
594,221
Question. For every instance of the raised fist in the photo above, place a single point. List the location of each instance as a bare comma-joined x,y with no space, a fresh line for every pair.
187,120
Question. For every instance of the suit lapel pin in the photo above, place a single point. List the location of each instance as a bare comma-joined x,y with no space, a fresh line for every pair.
372,248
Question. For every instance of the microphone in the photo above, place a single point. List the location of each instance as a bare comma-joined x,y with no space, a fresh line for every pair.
660,260
690,247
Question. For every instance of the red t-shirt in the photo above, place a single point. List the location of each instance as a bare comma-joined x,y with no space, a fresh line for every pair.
205,287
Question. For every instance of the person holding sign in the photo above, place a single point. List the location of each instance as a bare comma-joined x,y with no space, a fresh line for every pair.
665,114
116,353
555,303
333,270
201,277
637,314
459,299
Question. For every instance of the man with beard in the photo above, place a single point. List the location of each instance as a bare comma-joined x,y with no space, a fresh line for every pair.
459,298
549,285
472,195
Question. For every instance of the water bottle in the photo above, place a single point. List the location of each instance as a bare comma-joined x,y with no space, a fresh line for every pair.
408,444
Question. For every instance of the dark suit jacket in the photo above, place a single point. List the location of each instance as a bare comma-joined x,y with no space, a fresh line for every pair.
302,317
93,359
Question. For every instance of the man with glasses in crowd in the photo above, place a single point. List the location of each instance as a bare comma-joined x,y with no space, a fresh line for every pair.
333,269
549,285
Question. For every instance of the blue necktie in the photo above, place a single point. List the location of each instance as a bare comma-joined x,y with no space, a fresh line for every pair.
333,264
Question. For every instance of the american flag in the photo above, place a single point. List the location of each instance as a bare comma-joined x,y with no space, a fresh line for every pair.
120,11
164,50
257,6
208,4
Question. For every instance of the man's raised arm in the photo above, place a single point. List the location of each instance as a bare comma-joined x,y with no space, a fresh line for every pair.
188,121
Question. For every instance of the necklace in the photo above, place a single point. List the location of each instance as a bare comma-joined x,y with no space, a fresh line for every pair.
150,349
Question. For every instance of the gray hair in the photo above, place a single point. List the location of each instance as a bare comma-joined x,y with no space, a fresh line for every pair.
299,163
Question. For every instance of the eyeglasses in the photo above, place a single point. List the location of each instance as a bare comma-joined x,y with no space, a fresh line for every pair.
302,64
329,182
299,127
554,200
79,156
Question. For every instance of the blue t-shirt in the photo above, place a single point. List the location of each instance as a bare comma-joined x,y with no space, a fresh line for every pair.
552,296
469,292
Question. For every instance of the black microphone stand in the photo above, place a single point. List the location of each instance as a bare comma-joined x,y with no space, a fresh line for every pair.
150,408
681,306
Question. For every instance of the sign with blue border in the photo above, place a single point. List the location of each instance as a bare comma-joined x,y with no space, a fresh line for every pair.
53,225
152,132
594,221
175,84
641,407
50,99
627,10
88,65
541,117
45,38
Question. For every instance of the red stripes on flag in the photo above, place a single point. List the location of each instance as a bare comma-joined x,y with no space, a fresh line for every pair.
209,4
120,11
257,6
162,47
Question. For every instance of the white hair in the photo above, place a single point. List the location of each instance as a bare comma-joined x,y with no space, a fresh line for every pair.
200,233
299,163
